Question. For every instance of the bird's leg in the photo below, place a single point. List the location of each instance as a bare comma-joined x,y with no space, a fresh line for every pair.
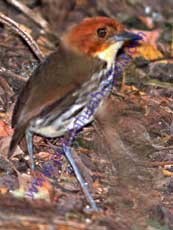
29,141
68,154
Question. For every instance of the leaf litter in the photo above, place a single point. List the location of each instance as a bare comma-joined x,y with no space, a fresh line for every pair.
116,154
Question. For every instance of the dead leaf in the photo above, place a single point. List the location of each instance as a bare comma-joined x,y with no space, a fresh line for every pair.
45,45
3,190
25,29
35,186
148,51
43,155
5,129
150,37
4,147
167,172
148,45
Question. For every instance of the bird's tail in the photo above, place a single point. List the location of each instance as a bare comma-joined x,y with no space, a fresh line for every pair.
16,138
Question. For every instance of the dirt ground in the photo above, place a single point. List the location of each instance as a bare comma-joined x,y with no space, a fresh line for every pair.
126,155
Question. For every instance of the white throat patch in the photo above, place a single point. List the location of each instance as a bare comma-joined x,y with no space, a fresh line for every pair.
110,53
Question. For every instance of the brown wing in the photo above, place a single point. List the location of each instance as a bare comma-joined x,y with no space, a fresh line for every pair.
61,73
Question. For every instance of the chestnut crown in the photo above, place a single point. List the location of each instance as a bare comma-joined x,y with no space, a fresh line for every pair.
91,34
100,37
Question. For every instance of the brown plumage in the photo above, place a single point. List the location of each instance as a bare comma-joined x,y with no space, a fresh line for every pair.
33,99
60,89
62,73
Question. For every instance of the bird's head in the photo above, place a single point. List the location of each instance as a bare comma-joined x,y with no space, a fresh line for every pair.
100,37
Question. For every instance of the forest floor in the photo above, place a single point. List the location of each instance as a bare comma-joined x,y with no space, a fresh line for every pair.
126,156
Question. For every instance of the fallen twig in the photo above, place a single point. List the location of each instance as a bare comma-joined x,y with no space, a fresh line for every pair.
157,83
162,147
8,73
29,13
26,37
150,164
18,221
7,89
160,163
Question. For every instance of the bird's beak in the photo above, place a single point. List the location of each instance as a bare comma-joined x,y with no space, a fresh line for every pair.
126,36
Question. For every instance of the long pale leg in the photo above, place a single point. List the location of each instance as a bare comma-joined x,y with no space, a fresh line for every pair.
29,141
68,154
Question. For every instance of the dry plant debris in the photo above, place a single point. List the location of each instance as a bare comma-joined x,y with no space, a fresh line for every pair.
127,157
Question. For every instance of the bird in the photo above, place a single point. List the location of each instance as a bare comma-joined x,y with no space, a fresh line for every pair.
60,89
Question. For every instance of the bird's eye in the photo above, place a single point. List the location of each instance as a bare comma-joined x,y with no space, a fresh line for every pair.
101,32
